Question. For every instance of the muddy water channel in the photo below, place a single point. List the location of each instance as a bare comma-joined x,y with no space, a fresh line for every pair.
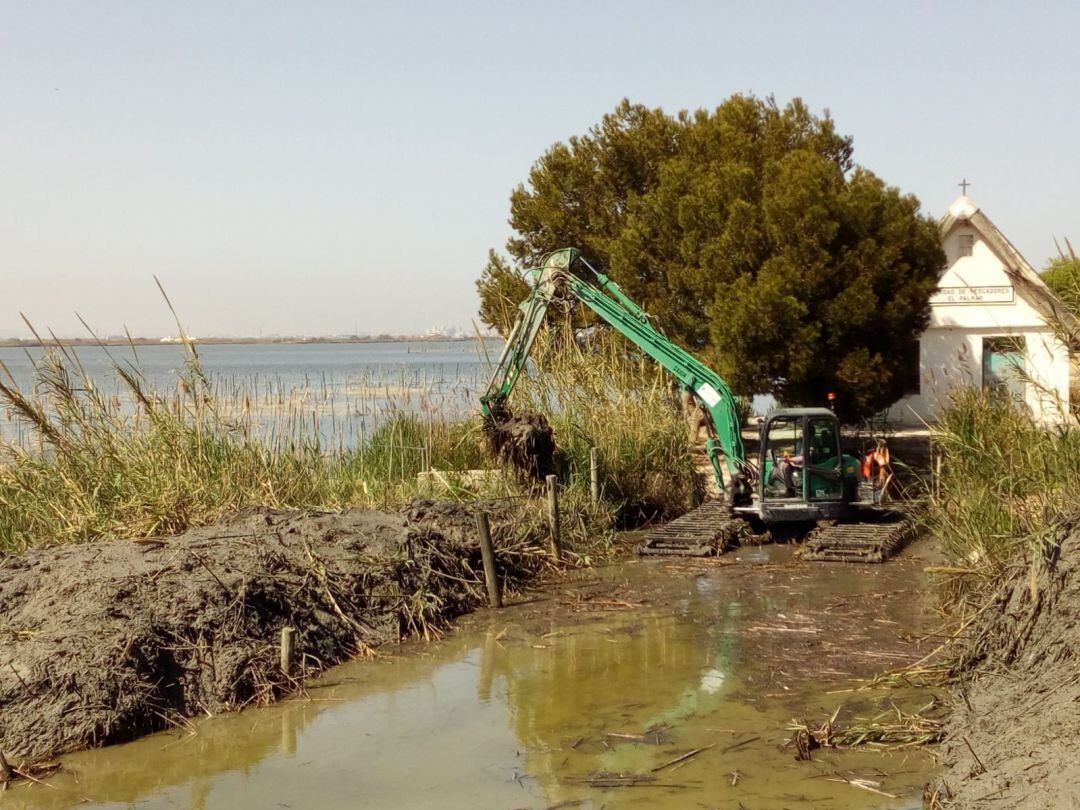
558,699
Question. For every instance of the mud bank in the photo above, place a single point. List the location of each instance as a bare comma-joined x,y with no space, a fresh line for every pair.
1016,718
103,642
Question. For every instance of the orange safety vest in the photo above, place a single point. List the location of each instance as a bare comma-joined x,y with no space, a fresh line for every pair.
875,463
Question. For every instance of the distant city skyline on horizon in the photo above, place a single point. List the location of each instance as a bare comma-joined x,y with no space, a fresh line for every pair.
447,332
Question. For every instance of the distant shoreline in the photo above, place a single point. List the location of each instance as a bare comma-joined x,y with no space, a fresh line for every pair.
32,343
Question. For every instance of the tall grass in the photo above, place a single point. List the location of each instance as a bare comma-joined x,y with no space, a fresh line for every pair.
603,393
1003,481
164,461
149,460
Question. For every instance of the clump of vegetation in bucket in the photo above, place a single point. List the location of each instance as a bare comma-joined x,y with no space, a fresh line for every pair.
524,442
603,393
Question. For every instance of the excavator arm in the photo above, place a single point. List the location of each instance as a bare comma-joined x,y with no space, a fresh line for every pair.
604,297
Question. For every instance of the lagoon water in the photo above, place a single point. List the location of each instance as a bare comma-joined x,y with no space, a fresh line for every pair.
343,387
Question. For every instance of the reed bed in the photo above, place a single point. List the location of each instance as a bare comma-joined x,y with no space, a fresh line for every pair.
341,410
142,458
162,461
1003,482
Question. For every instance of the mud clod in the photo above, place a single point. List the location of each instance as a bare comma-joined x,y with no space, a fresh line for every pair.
525,442
102,642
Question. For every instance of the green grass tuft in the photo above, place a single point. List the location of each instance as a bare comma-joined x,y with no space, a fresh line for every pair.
1004,480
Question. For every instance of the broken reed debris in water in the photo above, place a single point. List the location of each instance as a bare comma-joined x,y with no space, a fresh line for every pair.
890,730
916,675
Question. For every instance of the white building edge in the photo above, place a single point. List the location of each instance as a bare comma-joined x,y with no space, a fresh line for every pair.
992,326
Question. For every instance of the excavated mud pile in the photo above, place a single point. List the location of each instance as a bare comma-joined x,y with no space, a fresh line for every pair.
525,442
102,642
1011,740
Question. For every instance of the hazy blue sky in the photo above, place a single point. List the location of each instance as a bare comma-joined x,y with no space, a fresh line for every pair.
318,167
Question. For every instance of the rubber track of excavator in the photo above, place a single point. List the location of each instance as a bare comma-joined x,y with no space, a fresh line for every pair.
858,542
704,532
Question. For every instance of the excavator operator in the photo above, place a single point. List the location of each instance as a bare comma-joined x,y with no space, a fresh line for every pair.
789,464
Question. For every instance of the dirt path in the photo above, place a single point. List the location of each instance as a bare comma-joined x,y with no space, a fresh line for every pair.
103,642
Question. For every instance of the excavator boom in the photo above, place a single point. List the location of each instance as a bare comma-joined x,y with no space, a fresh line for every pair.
604,297
824,491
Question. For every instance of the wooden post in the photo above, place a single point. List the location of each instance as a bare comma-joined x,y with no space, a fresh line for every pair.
6,773
288,650
594,475
487,551
553,516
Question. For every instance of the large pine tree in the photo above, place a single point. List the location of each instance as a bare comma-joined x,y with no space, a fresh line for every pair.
752,237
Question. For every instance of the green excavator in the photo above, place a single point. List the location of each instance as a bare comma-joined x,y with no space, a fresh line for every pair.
802,480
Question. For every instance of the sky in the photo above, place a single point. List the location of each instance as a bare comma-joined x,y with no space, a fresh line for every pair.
326,168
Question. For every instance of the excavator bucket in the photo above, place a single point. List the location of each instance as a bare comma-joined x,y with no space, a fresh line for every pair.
706,531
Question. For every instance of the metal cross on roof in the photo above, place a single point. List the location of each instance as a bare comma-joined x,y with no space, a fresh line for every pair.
964,186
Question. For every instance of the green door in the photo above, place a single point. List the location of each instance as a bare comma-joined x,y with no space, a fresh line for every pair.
1003,368
824,482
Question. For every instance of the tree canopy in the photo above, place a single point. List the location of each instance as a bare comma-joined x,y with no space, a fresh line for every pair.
751,236
1062,275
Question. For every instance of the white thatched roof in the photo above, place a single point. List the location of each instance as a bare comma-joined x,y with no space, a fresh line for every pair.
964,211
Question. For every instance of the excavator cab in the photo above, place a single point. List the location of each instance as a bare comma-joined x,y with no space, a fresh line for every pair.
803,475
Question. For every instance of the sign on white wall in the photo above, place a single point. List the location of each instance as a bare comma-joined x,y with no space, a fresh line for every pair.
973,295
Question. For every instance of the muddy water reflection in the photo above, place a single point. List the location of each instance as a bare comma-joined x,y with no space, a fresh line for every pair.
526,707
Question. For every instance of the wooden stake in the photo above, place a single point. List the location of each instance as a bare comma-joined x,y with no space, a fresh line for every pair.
937,475
487,551
288,650
553,516
594,475
6,773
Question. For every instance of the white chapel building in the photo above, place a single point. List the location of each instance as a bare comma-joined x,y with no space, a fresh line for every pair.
991,327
